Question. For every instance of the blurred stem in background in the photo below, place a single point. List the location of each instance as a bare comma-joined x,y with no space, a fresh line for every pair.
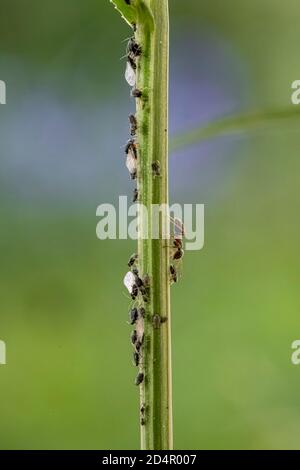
242,123
151,24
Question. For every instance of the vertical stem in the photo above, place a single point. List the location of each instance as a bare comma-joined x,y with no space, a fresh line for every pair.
152,80
150,20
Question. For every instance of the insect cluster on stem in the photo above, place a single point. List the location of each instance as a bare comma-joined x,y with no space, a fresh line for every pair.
139,290
136,282
133,52
137,286
176,252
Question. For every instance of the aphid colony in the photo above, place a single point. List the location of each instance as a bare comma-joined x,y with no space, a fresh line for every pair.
139,291
139,286
133,51
176,249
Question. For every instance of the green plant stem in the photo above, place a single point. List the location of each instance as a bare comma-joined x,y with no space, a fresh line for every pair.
150,19
156,391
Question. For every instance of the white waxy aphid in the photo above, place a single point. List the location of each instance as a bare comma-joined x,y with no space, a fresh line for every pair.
131,163
177,227
139,326
130,75
129,281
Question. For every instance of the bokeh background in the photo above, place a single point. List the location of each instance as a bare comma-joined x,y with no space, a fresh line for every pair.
68,382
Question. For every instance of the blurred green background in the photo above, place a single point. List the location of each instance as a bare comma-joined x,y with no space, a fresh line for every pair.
68,382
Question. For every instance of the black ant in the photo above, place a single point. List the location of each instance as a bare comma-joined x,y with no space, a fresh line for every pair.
156,168
139,379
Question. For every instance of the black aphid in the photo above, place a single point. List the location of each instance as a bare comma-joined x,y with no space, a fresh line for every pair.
139,379
178,254
142,312
143,421
135,195
128,2
139,282
131,148
134,50
145,293
139,343
133,124
156,168
146,280
132,260
131,158
133,316
136,359
133,175
134,337
156,321
177,243
134,292
132,63
136,93
173,273
178,232
145,288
